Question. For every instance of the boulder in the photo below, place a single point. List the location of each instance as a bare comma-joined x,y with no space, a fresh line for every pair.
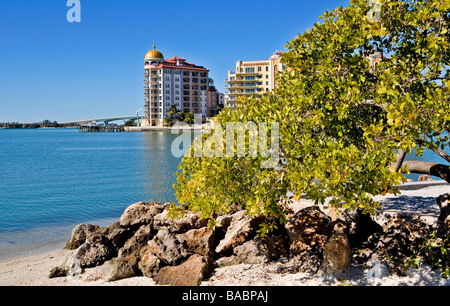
400,237
425,178
360,227
123,267
92,254
70,268
337,254
168,247
253,252
260,250
190,273
189,221
139,214
443,202
79,234
308,261
137,242
149,264
307,228
241,228
199,241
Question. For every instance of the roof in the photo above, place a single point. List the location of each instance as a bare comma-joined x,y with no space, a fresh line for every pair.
180,63
154,54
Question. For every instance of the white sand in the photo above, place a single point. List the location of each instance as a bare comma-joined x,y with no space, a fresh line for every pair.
419,199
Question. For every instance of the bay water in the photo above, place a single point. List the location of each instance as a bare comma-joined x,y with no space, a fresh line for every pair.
53,179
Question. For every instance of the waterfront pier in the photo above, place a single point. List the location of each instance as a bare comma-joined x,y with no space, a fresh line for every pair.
90,128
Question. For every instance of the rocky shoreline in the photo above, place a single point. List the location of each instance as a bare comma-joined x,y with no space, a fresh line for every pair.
186,252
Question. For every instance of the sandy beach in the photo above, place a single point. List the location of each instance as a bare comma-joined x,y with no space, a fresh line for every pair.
416,198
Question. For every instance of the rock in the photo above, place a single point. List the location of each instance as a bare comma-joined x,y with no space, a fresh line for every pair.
139,214
79,234
116,234
337,254
240,230
190,273
395,245
228,261
260,250
199,241
70,268
92,254
425,178
253,252
189,221
308,261
123,267
361,227
307,228
135,244
168,248
443,202
149,264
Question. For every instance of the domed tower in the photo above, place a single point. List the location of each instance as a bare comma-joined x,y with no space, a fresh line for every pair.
154,57
152,60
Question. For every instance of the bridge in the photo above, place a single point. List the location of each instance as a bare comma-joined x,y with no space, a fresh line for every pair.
105,121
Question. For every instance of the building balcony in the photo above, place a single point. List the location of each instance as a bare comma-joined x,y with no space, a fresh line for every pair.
247,73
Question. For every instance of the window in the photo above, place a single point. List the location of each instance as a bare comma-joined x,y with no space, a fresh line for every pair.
259,69
267,68
250,70
267,76
267,82
249,77
275,68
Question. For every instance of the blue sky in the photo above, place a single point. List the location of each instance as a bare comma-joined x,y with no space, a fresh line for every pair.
56,70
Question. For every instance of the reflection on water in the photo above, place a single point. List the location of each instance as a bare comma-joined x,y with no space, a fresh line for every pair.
158,167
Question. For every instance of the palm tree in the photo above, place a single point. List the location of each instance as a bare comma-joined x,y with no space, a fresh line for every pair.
173,111
189,118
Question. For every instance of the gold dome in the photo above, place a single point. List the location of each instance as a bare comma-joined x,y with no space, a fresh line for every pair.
154,54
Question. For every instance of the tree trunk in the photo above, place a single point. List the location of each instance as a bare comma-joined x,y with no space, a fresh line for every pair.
421,167
400,158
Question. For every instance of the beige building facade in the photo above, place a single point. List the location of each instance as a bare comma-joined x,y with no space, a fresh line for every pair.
252,77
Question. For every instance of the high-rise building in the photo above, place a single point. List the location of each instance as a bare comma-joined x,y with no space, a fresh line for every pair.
173,81
252,77
215,100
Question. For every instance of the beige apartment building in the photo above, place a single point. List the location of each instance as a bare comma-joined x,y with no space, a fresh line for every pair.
252,77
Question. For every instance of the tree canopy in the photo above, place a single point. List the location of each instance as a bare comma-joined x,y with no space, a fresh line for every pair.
356,95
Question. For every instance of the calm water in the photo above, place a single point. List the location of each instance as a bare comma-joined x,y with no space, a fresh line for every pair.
53,179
